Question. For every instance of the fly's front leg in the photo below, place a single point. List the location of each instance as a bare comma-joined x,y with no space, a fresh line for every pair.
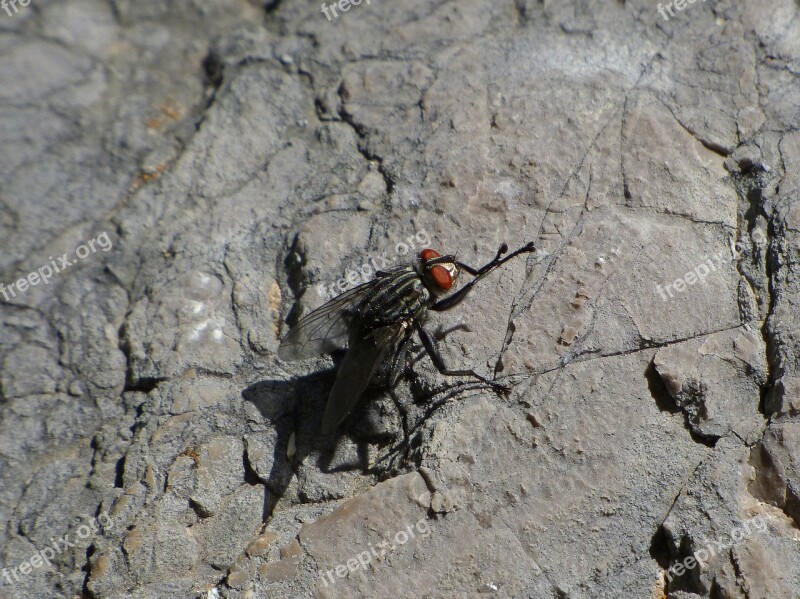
436,358
455,299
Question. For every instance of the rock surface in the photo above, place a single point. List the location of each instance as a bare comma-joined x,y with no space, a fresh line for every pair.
208,171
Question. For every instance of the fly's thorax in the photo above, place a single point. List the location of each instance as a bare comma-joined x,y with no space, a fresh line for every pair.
395,299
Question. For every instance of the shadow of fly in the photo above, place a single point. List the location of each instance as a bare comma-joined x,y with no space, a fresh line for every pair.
381,314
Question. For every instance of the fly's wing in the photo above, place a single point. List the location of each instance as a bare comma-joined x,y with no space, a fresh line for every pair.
324,330
359,364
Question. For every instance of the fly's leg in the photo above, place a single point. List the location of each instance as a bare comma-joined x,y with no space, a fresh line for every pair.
491,264
436,358
398,362
406,442
400,356
455,299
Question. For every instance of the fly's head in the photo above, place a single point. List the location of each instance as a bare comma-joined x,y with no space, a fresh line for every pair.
438,272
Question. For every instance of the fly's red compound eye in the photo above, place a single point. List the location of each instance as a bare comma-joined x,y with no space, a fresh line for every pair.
429,254
442,277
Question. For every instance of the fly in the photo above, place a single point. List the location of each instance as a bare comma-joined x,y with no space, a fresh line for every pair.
383,313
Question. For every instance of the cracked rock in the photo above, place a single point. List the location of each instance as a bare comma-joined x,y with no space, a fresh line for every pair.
702,376
250,161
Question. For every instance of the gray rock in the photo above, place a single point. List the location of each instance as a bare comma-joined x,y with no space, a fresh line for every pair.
248,161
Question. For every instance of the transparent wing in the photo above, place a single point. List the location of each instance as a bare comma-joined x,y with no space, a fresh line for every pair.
324,330
356,370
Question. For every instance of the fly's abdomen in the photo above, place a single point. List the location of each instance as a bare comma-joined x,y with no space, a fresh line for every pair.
396,298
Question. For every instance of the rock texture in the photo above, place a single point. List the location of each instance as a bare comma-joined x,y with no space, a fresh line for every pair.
241,158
